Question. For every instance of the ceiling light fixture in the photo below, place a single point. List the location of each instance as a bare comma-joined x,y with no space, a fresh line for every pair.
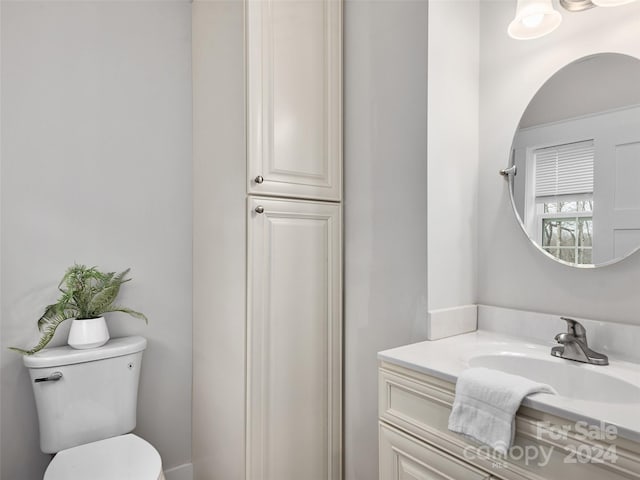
611,3
577,5
536,18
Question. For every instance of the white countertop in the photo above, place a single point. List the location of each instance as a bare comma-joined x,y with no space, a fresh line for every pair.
446,358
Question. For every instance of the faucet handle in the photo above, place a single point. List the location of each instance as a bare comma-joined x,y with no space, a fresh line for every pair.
575,328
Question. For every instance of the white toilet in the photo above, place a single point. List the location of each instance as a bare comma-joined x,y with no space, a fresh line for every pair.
86,402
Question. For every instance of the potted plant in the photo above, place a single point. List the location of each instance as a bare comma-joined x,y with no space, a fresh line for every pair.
87,294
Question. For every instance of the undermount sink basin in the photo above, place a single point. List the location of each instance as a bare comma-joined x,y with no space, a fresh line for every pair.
570,379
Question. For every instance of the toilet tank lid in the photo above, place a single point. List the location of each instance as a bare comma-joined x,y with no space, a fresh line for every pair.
59,356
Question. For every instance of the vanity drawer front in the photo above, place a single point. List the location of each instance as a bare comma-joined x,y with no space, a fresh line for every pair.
420,408
404,458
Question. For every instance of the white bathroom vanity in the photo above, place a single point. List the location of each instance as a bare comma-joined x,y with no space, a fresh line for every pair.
590,430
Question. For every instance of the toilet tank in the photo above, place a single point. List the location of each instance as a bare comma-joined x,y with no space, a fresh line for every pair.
86,395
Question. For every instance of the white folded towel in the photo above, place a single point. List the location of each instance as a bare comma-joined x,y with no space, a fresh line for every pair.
486,403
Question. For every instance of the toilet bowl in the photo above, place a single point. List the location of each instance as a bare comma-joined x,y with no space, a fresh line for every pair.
118,458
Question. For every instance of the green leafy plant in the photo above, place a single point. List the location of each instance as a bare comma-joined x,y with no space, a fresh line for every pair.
86,293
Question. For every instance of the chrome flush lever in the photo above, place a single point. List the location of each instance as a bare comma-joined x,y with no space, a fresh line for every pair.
54,377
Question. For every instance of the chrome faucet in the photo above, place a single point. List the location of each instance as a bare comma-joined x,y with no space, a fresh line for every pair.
574,345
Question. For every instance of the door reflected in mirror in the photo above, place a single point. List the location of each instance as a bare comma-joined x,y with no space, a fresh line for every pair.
576,190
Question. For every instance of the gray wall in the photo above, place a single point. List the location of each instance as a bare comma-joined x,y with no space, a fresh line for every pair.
512,272
96,169
219,214
385,200
1,257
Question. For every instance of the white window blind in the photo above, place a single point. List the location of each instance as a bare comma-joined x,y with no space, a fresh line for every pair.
564,169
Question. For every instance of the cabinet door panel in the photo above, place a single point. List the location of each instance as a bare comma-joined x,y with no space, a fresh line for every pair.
294,98
294,340
405,458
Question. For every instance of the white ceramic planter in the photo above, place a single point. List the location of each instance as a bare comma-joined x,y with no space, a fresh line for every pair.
88,333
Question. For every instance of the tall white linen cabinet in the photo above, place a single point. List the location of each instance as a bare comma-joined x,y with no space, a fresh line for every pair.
267,97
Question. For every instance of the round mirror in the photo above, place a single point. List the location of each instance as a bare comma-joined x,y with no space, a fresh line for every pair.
576,183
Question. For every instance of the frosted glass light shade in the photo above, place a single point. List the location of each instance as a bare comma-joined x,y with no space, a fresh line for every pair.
534,18
611,3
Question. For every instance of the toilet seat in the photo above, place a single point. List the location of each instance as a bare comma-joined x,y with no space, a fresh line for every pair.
126,457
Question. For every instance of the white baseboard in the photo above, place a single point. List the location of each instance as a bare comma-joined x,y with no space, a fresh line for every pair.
182,472
447,322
